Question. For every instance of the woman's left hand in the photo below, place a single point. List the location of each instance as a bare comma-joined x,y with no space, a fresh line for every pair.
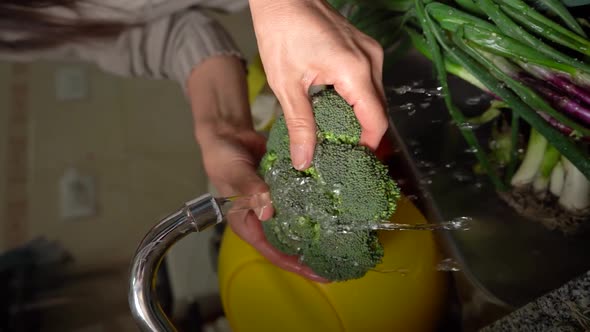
231,150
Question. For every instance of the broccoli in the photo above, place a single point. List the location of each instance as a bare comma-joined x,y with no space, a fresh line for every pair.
324,213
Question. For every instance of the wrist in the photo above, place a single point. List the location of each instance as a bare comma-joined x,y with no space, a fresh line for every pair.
217,92
274,6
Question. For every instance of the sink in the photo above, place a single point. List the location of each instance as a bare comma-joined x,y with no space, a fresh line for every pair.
505,260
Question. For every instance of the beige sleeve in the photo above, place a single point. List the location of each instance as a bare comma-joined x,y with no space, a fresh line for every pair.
166,48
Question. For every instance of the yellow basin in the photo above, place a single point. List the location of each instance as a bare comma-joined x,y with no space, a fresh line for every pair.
407,294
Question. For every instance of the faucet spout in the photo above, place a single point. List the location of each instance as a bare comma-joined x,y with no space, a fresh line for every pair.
194,216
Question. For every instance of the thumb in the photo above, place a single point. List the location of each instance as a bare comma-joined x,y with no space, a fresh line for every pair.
245,181
300,124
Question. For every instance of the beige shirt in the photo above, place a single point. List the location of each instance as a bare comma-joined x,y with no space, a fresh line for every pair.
177,35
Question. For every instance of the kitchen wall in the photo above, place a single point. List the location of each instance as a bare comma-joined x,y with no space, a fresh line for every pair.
134,138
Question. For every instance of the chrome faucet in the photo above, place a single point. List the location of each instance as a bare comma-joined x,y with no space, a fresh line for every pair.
194,216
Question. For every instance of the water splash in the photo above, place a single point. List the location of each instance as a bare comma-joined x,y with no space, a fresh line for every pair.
457,224
462,176
473,101
416,88
466,125
424,164
410,108
426,181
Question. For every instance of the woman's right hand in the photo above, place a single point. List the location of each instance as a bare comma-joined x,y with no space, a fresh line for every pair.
306,42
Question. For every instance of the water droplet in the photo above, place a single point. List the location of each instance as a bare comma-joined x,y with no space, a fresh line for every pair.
471,150
425,164
402,89
426,181
415,88
448,265
467,125
459,224
408,107
473,100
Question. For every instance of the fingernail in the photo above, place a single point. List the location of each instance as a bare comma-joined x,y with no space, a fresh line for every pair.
262,203
300,156
259,211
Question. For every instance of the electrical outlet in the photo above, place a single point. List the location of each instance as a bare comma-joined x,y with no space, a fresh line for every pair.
77,195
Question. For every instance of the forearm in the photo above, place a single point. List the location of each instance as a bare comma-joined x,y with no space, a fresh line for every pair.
165,48
218,94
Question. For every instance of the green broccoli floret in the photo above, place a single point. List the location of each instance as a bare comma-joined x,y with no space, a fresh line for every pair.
359,180
292,235
344,255
295,193
323,213
278,139
335,119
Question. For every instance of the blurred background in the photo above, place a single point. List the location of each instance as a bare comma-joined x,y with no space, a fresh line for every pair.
88,163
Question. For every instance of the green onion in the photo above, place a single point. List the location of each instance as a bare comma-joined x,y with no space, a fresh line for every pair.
457,116
511,29
563,144
560,10
532,14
